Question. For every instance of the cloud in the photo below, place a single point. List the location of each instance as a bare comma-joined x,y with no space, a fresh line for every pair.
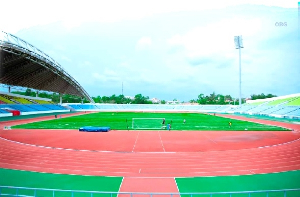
65,58
74,13
107,76
199,60
143,43
177,53
176,40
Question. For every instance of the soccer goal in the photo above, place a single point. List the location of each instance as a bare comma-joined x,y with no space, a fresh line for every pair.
148,123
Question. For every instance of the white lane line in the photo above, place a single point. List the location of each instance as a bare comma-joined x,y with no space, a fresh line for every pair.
135,141
161,141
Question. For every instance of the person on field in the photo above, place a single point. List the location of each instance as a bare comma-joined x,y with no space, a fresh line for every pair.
230,123
163,124
169,126
183,121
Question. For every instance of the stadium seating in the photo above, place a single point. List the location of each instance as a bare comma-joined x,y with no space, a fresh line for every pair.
280,101
149,107
39,107
86,106
4,99
286,107
26,105
22,100
286,110
54,107
42,102
244,108
259,103
3,111
259,109
295,113
22,108
75,107
295,102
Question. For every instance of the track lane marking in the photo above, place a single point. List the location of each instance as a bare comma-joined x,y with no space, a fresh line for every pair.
135,141
161,141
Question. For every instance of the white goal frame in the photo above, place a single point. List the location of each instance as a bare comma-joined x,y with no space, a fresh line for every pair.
159,126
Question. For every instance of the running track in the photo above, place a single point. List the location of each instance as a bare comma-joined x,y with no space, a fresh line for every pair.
149,160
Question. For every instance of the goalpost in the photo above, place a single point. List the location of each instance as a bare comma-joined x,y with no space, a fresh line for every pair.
148,123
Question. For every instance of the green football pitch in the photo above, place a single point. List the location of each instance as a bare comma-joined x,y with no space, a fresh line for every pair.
140,120
272,181
256,182
29,179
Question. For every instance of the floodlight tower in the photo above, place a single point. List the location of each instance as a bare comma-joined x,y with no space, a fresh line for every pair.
238,41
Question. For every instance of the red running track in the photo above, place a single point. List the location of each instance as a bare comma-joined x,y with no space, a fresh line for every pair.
159,155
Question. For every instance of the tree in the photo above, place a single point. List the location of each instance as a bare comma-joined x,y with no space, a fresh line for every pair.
228,98
44,95
193,101
212,98
105,99
28,92
221,99
261,96
113,98
97,99
140,99
271,95
201,99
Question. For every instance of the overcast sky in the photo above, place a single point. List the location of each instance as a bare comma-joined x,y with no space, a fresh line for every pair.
165,49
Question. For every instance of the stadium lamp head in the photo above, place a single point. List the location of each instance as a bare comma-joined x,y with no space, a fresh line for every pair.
238,41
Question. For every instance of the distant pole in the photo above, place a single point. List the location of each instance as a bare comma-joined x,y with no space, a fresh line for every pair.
122,88
240,78
238,41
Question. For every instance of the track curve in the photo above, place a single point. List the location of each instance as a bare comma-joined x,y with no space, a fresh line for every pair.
280,153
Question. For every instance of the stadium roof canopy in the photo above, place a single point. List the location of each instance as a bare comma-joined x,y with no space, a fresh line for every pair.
22,64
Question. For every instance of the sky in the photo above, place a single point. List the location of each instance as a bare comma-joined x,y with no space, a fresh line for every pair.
165,49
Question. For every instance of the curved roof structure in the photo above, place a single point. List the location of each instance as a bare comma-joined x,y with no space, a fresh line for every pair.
22,64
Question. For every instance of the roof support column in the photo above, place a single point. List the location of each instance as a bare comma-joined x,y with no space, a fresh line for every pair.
60,99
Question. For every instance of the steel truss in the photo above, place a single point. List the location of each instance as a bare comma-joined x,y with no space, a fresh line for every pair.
16,46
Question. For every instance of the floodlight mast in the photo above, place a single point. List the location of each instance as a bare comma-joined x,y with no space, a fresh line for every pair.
238,41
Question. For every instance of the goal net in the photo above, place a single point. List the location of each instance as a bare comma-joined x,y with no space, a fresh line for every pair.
148,123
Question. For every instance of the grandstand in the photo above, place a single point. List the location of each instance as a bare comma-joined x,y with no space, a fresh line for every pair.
147,107
22,64
280,107
277,107
26,105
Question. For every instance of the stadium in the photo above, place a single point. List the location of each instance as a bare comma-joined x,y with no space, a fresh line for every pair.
147,149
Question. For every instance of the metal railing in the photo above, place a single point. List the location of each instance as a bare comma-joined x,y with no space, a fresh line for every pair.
41,192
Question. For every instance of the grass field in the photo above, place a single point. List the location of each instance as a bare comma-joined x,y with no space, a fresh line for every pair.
123,121
28,179
273,181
